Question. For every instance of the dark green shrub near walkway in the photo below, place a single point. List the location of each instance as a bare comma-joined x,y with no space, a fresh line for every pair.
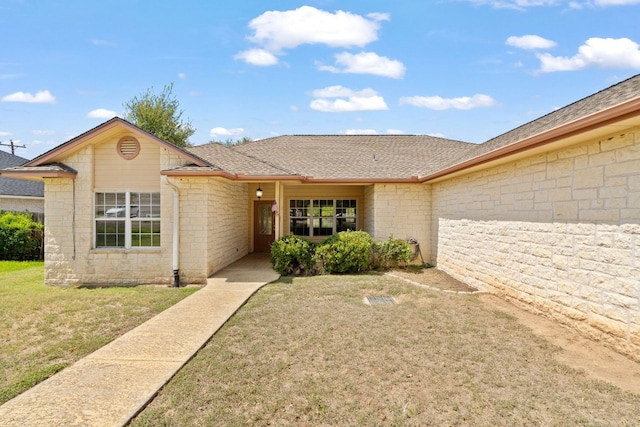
344,252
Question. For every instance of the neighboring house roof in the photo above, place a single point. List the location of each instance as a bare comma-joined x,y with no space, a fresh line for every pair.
17,187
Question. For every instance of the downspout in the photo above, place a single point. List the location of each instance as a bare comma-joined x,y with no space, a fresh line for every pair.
176,231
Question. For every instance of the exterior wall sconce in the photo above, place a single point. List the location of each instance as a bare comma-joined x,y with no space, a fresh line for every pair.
259,193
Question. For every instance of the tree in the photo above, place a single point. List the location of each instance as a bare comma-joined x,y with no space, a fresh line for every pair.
230,142
160,115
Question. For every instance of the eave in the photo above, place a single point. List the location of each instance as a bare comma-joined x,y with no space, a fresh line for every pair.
617,118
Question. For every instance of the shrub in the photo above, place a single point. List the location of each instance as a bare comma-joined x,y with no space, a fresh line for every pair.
345,252
391,253
21,238
292,255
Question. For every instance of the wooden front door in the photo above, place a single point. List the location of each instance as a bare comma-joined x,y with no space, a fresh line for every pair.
264,226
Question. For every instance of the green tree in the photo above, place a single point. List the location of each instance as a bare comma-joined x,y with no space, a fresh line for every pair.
231,142
160,115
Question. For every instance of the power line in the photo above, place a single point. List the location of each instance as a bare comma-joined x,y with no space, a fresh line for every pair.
13,146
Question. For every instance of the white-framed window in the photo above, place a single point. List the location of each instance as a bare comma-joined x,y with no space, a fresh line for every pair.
127,220
321,217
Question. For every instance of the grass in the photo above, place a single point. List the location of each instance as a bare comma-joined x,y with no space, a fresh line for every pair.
307,351
44,329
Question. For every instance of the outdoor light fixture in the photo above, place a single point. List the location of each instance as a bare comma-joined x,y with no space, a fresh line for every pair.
259,193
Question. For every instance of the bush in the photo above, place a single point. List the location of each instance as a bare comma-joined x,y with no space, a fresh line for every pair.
391,253
21,238
345,252
292,255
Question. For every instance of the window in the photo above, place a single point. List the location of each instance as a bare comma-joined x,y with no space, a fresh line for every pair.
321,217
127,220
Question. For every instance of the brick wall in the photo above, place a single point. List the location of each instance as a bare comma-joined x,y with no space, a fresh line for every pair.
558,233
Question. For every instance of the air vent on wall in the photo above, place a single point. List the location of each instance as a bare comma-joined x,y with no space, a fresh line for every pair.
128,147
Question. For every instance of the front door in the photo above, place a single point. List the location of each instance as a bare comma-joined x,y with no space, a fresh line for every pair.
263,226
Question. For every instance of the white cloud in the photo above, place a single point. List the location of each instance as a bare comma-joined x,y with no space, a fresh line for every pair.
439,103
2,133
275,31
101,113
347,100
395,132
596,52
360,132
42,97
354,103
257,57
341,92
220,131
182,76
366,63
530,42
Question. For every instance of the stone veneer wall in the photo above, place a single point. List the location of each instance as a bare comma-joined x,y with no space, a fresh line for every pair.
558,233
71,260
228,223
400,211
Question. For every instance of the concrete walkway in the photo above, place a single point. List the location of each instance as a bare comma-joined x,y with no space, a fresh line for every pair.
111,385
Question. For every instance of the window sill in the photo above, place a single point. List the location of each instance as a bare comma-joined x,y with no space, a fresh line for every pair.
125,251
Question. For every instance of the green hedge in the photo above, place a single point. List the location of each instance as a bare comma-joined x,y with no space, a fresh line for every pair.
391,253
292,255
21,238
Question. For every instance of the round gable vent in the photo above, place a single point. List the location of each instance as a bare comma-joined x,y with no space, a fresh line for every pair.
128,147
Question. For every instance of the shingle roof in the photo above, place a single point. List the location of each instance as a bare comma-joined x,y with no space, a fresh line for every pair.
356,156
613,95
235,162
373,157
18,187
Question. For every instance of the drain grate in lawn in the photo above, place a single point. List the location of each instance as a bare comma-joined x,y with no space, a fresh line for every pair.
379,300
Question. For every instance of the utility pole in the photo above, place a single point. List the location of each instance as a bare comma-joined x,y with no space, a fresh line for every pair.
13,146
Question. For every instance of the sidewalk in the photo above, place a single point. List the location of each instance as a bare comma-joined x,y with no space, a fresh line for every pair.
111,385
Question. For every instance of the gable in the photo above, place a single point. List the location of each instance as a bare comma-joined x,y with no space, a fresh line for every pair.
124,160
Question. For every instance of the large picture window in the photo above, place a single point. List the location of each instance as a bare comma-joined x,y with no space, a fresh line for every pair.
321,217
127,220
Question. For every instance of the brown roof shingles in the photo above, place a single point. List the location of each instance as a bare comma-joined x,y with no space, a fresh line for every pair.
357,157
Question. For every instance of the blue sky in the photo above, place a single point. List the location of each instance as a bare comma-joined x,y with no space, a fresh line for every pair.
461,69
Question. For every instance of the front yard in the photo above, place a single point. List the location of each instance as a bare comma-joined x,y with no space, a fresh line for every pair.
308,351
43,329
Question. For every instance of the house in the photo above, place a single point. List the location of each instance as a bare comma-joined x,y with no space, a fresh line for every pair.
546,215
19,194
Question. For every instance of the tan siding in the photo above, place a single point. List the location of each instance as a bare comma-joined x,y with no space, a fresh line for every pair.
113,173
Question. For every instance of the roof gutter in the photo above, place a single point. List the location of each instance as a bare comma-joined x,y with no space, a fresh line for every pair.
617,113
301,179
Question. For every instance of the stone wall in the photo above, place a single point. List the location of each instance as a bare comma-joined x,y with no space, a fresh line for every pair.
558,233
228,223
400,211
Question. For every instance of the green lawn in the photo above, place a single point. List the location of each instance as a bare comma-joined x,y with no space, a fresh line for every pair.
43,329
